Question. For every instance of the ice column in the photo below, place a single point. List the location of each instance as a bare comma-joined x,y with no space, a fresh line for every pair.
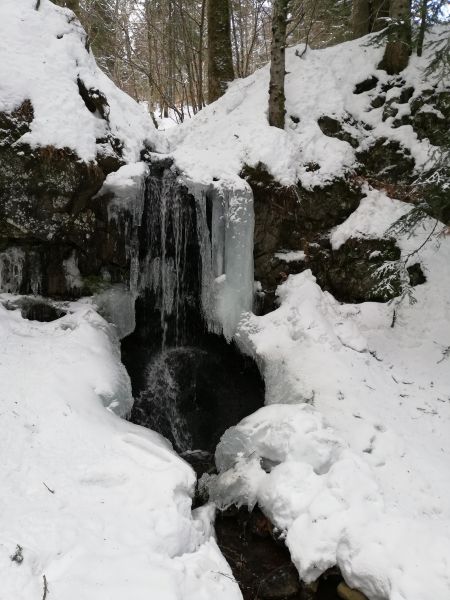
225,225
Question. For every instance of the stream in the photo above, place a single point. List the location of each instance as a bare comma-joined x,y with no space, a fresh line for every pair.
190,381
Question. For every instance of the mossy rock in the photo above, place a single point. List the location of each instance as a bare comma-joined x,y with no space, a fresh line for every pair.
387,162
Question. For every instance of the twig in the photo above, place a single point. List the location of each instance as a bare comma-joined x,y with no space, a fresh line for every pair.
44,596
50,490
38,4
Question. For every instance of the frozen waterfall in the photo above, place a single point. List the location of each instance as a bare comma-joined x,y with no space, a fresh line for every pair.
198,253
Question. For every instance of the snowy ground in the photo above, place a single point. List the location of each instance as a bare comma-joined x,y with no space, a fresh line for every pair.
351,456
234,131
98,506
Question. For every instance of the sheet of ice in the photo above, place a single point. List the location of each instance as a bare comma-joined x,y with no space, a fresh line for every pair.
43,54
350,457
100,507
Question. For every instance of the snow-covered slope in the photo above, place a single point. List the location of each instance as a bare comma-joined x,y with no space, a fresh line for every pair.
91,506
234,131
43,54
351,457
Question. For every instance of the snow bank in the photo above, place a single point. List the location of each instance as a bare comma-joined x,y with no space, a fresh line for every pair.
43,54
349,459
234,131
98,506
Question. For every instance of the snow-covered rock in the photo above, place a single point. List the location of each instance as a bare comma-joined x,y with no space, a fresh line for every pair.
44,59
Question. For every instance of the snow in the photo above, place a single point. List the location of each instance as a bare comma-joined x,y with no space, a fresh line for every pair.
352,450
48,77
291,255
349,458
99,506
233,131
372,219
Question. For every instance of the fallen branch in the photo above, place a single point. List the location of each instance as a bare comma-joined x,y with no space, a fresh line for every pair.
50,490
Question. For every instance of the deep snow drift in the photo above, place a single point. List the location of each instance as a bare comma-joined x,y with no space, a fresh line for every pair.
98,506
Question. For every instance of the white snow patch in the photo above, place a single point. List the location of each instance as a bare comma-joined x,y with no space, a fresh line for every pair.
99,506
43,54
291,255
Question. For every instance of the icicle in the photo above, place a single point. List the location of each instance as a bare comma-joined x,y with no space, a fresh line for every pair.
12,263
226,248
169,228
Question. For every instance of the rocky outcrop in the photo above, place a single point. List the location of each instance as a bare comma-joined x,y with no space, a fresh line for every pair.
300,220
55,237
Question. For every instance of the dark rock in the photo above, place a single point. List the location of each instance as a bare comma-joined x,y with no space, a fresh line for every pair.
352,273
347,593
290,218
416,275
334,128
406,95
282,584
36,309
378,101
431,117
387,161
390,109
94,100
366,85
47,211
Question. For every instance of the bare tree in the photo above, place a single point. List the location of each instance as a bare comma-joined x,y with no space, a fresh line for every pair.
277,98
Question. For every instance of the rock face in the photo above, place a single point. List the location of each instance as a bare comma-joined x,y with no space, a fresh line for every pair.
55,239
300,220
293,223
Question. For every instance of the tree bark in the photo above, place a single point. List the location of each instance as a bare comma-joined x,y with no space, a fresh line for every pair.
423,26
72,4
379,14
220,59
398,48
277,99
360,18
369,16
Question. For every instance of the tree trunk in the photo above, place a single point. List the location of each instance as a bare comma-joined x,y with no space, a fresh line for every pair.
423,26
220,60
72,4
369,16
360,18
398,48
379,14
277,99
